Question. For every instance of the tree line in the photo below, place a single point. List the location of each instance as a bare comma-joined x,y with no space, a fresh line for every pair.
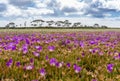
63,24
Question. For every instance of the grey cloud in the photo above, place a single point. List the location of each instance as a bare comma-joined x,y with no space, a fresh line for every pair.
55,6
22,3
2,7
67,9
96,10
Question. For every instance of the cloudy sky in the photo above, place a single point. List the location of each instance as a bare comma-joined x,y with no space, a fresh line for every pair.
103,12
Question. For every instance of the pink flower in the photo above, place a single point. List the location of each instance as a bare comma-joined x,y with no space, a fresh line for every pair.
29,67
36,54
51,48
53,61
42,72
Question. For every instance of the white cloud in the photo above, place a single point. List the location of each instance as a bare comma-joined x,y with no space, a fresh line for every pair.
39,4
84,9
71,4
110,4
38,11
65,7
113,4
74,13
4,1
12,11
30,11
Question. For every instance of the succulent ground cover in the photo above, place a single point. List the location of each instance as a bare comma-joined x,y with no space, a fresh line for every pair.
60,56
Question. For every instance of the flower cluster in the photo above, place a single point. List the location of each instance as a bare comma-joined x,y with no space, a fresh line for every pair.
75,56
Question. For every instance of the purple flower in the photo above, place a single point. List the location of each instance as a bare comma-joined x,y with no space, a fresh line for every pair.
9,63
17,64
52,61
27,41
51,48
25,49
34,80
68,65
67,41
110,67
90,50
36,54
75,65
31,61
11,46
0,50
92,42
59,64
96,49
116,57
42,72
83,54
14,48
78,59
38,48
82,44
47,58
93,51
100,53
94,80
29,67
76,68
119,55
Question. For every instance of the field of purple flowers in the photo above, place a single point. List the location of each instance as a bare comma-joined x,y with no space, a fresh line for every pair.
60,56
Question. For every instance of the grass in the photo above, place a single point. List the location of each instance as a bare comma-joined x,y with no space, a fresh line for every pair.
54,30
89,49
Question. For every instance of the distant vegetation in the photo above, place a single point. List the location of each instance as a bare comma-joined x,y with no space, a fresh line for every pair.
51,24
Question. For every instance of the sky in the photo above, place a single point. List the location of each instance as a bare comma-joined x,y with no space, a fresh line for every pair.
88,12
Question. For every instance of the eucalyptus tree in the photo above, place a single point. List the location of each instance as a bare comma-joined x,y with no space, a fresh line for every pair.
7,26
86,26
20,25
96,25
33,25
37,22
10,25
16,25
103,26
59,23
50,23
77,24
25,24
66,23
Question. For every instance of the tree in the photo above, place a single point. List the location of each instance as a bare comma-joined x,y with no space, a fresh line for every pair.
38,22
86,26
50,23
7,26
77,24
20,25
66,23
25,24
104,26
96,25
16,25
10,25
59,23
